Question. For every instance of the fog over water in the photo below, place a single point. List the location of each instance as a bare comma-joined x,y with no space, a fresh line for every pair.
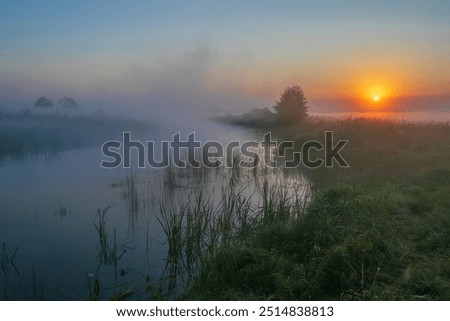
48,213
49,202
72,230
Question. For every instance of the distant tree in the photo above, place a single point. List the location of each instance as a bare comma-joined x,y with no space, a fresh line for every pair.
43,102
292,106
68,102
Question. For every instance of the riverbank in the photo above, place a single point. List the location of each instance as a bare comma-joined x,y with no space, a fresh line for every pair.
376,230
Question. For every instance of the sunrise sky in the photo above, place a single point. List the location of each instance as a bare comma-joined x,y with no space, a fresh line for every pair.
224,55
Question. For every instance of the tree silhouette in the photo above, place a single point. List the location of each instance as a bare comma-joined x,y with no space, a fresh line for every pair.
68,102
293,106
43,102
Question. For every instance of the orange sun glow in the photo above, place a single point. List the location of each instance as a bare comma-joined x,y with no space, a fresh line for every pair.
377,94
377,90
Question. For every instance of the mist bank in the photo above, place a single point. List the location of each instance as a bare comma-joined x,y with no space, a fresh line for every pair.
25,135
431,103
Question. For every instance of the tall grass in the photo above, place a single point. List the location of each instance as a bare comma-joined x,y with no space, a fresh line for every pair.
108,254
202,220
7,260
7,266
376,148
352,243
378,230
131,195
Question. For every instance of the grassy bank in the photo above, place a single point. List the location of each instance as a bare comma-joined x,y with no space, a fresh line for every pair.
388,240
378,230
377,149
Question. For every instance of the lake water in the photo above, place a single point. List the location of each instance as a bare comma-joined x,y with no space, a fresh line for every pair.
48,220
49,242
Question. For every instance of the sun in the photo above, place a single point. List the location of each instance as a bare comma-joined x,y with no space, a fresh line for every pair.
376,91
377,96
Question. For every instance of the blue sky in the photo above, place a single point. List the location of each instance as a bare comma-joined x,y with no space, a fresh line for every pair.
206,51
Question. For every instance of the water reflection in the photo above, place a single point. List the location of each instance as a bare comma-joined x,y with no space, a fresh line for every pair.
58,242
52,211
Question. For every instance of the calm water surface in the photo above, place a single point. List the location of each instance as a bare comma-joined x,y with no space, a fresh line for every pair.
48,215
49,244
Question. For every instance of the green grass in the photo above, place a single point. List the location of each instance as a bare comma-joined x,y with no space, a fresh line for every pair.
387,241
376,148
201,222
378,230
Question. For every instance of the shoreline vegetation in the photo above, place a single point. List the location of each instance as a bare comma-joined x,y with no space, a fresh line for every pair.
378,230
23,136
